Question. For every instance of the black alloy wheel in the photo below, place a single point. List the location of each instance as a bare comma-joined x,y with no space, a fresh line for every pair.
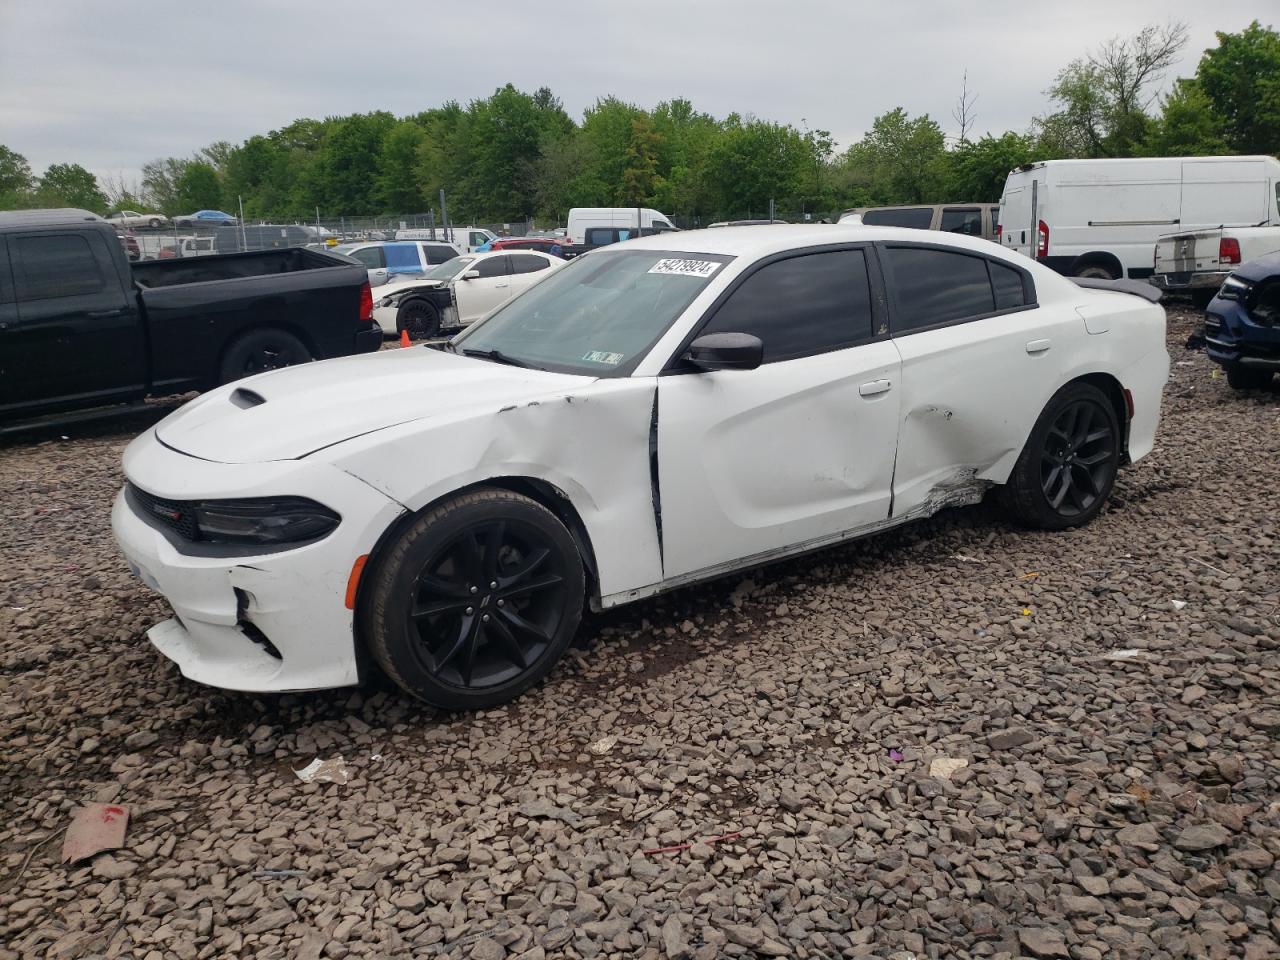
487,605
420,318
1076,462
1069,464
475,601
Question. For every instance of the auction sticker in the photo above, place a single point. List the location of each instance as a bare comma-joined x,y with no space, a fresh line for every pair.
601,356
686,268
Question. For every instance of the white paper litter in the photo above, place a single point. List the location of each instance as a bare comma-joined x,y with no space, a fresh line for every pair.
1178,604
1124,654
944,767
603,745
333,770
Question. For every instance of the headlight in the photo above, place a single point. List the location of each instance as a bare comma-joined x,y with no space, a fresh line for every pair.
268,520
1234,289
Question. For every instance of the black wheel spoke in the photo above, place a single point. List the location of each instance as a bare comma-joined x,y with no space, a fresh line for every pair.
517,622
1056,499
430,608
492,549
1095,458
534,585
468,667
508,641
1051,481
466,628
444,588
531,563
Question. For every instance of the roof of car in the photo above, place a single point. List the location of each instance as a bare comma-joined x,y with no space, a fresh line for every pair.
753,241
39,218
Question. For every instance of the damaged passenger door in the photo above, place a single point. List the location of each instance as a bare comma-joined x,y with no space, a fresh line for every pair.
798,451
979,361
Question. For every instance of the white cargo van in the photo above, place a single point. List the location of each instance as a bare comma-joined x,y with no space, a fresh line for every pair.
1101,218
582,219
466,239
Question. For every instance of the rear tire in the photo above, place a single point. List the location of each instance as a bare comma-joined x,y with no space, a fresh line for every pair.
1247,378
420,318
261,350
154,223
475,602
1094,271
1068,466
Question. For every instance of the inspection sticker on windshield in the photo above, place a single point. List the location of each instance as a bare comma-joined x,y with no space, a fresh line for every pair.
601,356
686,268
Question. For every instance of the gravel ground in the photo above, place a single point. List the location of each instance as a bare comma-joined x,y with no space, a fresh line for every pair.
782,728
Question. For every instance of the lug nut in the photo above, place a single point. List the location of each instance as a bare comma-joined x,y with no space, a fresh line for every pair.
493,585
485,618
475,589
501,602
470,610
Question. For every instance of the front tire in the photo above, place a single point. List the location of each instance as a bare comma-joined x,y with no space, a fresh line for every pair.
154,223
1068,466
476,601
420,318
261,350
1247,378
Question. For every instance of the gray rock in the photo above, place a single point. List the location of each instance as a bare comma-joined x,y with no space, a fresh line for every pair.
1204,836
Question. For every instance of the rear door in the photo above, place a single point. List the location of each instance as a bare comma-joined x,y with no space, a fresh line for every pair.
78,336
526,270
979,361
376,262
488,291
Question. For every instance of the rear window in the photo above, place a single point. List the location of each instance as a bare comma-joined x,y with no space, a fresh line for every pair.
527,263
603,235
406,257
58,265
965,220
937,286
439,253
918,218
1008,286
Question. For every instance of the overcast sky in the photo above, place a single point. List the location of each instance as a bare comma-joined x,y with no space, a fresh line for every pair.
112,85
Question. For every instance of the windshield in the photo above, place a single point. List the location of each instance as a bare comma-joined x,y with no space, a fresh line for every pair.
599,315
447,270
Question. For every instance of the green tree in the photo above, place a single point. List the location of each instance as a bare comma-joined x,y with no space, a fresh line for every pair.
900,160
1188,125
160,184
70,185
979,168
640,174
1240,79
198,187
755,162
346,166
16,181
399,190
1103,98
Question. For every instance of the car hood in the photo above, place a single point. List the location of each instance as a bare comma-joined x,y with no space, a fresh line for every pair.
1260,268
288,414
400,286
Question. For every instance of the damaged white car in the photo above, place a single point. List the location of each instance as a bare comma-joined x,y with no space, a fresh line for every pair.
655,413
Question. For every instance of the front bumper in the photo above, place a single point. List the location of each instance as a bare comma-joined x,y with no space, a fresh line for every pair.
227,605
1233,338
1191,280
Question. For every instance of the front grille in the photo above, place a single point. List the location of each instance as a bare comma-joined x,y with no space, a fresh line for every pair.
177,515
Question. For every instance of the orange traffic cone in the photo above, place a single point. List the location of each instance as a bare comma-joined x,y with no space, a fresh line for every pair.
404,338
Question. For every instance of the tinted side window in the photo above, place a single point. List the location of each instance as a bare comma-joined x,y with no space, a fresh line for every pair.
937,286
371,257
918,218
966,220
1007,283
438,253
59,265
524,263
801,306
399,258
602,235
6,285
493,267
995,218
478,239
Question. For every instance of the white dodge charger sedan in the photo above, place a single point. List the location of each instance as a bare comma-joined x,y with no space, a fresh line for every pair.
656,413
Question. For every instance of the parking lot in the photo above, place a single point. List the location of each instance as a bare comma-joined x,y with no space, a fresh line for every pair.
1114,690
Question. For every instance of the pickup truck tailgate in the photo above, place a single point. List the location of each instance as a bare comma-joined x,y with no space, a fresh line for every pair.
1188,252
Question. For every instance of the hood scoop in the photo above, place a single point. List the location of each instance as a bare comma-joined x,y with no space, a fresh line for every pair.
244,399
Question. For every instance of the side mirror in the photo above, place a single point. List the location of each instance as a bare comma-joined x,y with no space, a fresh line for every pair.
726,351
471,275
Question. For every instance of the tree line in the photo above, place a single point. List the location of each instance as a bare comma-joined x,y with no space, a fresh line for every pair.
516,156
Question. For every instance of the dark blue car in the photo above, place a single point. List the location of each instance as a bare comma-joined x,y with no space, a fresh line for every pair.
1242,324
206,218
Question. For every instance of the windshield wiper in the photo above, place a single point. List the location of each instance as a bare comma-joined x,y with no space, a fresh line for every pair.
497,356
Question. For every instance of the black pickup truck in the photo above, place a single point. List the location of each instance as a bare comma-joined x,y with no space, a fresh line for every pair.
83,331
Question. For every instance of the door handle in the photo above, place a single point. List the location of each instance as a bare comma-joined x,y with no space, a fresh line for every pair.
874,387
1038,346
102,314
500,286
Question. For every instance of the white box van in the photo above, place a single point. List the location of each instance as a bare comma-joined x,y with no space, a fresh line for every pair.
466,239
1101,218
582,219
